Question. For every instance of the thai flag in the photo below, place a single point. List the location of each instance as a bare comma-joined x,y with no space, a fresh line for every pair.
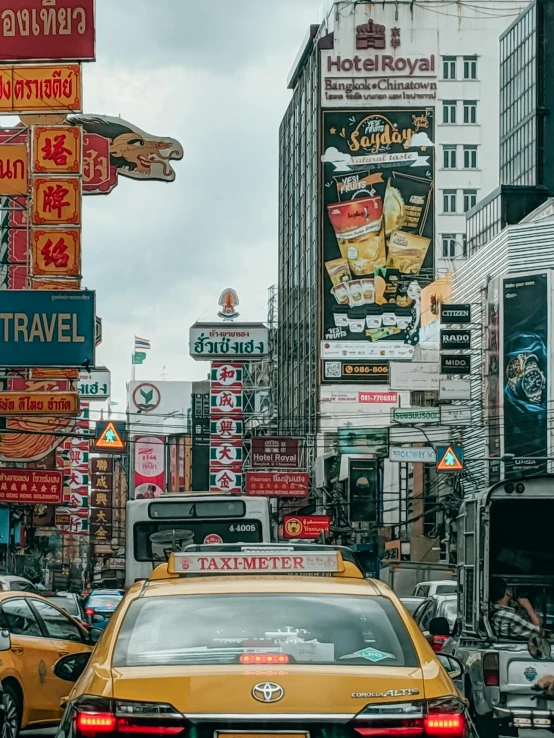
142,344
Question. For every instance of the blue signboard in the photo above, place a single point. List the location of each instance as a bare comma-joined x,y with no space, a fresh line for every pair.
42,329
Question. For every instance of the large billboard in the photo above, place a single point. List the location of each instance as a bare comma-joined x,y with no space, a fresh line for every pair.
525,331
377,232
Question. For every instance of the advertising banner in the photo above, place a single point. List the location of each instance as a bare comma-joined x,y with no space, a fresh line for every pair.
492,383
32,31
226,481
525,352
226,375
41,89
57,149
305,526
28,487
277,484
272,452
374,441
417,376
14,174
217,341
56,201
149,479
352,372
456,364
47,328
377,229
56,252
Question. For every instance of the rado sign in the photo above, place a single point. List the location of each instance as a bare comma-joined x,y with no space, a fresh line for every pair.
455,364
455,313
451,339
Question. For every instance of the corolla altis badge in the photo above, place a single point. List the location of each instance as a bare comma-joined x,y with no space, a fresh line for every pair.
530,673
268,692
390,693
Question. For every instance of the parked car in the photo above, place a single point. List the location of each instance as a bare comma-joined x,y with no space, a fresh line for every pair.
412,603
444,607
72,604
13,583
100,606
440,587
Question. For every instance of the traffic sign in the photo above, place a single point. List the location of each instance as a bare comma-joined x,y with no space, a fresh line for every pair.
450,458
110,436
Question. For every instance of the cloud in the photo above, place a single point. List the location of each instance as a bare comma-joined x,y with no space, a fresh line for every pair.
212,76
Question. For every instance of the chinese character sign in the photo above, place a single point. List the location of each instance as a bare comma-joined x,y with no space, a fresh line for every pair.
56,200
226,426
57,149
56,252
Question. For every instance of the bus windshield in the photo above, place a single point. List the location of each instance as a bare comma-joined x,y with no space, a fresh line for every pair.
154,541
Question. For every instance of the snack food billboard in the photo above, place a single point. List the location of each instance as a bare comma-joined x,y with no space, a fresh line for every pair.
377,226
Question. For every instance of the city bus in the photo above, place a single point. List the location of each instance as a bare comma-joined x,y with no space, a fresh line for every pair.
155,527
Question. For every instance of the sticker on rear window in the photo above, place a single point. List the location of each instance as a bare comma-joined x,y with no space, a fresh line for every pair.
372,654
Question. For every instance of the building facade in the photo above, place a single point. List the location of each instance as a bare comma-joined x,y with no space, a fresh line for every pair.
397,105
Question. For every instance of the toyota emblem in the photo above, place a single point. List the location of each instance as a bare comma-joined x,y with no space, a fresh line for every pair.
268,692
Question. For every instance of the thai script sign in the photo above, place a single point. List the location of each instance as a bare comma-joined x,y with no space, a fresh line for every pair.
47,30
272,452
305,526
99,176
39,403
14,176
31,486
40,89
276,484
95,384
416,415
217,341
40,328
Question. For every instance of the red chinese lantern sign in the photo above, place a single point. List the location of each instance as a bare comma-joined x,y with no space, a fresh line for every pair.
277,484
31,486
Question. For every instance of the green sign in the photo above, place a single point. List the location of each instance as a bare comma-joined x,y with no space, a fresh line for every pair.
411,415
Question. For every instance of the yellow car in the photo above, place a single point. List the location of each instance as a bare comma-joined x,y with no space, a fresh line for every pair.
34,635
261,641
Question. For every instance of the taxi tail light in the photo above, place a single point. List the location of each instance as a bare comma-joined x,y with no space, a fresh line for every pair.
92,723
446,717
95,716
491,675
395,719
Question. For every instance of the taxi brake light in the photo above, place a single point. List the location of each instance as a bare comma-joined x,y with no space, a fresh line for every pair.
397,730
447,724
90,723
123,726
264,658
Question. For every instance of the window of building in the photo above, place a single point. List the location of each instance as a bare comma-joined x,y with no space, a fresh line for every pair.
449,111
449,67
449,245
470,157
470,111
470,199
449,201
464,246
470,67
449,156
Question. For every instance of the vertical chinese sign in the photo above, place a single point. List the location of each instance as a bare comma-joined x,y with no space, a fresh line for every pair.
101,511
226,428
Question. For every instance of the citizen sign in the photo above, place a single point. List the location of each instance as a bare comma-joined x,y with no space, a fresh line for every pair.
455,313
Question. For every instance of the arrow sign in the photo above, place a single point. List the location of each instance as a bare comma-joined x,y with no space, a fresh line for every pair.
450,458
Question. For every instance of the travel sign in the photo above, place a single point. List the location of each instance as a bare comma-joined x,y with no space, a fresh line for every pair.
39,328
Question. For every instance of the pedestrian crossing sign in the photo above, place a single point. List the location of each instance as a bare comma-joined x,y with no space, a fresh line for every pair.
450,458
110,436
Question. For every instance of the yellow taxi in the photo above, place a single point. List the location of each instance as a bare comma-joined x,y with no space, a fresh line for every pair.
34,636
259,641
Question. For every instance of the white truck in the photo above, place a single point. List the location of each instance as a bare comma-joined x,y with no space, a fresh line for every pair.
404,576
506,531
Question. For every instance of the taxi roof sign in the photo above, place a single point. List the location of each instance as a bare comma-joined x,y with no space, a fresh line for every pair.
450,458
259,562
110,436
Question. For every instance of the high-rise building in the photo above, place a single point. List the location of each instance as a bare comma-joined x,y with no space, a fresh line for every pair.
390,137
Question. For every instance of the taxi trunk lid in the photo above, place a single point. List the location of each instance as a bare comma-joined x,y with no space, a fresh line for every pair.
306,690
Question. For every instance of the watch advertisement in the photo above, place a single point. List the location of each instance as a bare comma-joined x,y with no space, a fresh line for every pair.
377,226
525,372
491,379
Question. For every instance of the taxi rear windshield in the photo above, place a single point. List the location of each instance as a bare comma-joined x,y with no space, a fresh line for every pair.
222,629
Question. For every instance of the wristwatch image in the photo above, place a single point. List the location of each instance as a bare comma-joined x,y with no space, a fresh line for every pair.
523,370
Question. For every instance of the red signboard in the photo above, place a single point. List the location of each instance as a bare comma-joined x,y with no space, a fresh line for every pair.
306,526
272,452
378,398
32,31
277,484
30,486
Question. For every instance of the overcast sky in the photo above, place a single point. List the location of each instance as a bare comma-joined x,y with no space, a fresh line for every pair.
212,75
